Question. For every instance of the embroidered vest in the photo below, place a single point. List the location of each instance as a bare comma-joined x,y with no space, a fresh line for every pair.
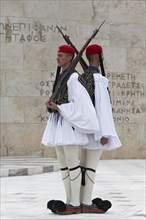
62,97
87,80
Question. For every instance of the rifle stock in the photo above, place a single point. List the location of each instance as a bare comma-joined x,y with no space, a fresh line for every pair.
60,85
50,110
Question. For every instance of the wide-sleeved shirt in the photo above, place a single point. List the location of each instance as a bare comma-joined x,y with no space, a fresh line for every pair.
104,113
75,120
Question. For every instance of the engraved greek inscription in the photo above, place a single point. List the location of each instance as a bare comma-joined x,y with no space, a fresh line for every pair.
125,90
123,102
22,38
42,118
15,37
48,83
15,27
42,83
46,87
36,32
126,110
127,85
52,74
44,92
121,119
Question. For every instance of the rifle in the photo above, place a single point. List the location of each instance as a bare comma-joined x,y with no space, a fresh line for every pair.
56,79
68,41
65,76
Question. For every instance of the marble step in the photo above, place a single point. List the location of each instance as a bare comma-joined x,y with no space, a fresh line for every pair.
19,166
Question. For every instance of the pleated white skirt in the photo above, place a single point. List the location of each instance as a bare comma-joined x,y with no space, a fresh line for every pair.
94,143
59,132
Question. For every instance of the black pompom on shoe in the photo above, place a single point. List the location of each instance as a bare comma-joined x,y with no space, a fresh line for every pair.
50,205
102,204
59,206
105,205
97,201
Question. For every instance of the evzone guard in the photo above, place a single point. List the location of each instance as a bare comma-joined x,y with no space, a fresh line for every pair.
75,124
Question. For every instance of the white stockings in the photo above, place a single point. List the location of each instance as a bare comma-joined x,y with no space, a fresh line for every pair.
68,157
89,162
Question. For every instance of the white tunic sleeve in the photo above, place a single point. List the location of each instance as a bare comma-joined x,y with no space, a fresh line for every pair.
79,112
103,107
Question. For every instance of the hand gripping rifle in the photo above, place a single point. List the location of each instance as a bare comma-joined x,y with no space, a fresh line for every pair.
68,41
65,76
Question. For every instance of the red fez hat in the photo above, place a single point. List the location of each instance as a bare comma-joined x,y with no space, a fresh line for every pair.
94,49
66,49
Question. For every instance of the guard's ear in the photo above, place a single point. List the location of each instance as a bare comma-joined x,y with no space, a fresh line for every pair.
70,57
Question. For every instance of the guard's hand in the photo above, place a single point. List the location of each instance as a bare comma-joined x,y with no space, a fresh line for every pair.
47,102
104,140
52,105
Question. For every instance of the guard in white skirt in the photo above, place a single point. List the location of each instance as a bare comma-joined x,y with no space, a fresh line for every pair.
104,139
73,123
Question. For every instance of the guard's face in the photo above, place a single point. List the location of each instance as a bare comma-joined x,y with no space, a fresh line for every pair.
63,59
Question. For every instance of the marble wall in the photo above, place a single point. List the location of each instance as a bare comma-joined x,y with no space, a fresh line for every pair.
29,41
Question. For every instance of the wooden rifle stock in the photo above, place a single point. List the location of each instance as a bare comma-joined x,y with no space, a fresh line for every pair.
65,76
68,41
55,83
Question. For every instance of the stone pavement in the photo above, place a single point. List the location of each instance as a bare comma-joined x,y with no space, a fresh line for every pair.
24,196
